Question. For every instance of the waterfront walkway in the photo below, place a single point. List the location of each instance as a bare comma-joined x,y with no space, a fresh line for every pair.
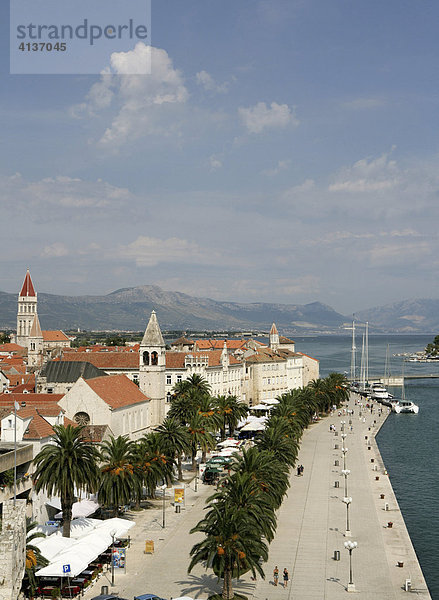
311,527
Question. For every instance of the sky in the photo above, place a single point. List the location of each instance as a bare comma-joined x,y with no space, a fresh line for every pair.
279,151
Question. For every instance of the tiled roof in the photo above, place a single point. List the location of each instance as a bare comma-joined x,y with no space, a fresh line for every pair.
38,427
11,348
182,341
307,356
55,336
285,340
32,399
28,288
16,379
176,360
117,390
219,344
106,360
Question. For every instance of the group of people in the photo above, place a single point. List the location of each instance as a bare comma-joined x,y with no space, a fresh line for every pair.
300,470
285,576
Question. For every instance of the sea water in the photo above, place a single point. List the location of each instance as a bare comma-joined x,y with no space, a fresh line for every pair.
408,443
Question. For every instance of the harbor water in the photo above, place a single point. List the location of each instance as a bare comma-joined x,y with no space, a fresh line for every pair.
407,442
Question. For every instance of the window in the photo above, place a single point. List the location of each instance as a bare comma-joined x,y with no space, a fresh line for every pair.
178,378
82,418
168,379
168,397
146,358
154,358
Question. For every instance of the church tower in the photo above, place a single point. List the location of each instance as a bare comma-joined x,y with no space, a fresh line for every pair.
27,309
152,370
35,344
274,338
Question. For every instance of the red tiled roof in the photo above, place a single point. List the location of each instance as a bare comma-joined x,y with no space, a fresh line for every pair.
106,360
33,399
11,348
219,344
176,360
285,340
55,336
117,390
16,379
28,288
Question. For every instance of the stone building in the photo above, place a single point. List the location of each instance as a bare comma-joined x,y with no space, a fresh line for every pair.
12,549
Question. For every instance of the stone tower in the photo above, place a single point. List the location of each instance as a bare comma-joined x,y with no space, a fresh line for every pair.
35,344
27,309
274,338
152,369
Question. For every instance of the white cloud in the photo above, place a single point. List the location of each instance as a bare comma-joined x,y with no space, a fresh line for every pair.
259,117
55,250
140,85
368,175
148,252
205,80
282,165
215,163
62,192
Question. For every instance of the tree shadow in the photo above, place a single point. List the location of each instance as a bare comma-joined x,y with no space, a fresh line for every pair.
210,584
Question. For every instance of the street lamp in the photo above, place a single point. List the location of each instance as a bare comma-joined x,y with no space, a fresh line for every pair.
164,490
349,547
112,533
344,450
345,472
342,423
347,500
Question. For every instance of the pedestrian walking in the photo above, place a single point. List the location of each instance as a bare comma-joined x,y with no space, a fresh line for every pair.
286,576
298,471
301,469
276,575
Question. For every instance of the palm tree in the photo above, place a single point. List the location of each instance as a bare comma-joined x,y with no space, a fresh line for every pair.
69,462
153,444
230,412
231,547
175,440
34,559
117,479
150,467
199,436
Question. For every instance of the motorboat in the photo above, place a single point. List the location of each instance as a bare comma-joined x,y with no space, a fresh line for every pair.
405,406
378,392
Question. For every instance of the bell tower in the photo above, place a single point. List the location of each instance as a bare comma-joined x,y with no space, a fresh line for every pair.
274,338
27,309
152,367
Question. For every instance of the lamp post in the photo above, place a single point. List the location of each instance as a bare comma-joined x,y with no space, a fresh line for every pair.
164,490
112,533
347,500
349,547
345,472
342,423
344,450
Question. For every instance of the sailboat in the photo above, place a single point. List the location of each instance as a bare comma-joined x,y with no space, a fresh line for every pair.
404,405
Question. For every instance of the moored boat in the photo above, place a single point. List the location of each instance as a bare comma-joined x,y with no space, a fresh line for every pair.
405,406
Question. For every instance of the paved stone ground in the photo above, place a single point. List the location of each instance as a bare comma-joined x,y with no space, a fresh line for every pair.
311,526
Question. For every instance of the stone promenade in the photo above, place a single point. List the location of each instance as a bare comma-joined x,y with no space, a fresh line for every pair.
312,526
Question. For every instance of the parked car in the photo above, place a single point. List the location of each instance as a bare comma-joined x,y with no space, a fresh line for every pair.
108,597
148,597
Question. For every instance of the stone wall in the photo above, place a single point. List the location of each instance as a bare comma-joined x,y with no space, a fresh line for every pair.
12,549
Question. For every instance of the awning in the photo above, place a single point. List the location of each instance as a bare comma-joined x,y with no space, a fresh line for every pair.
57,568
229,442
84,508
254,426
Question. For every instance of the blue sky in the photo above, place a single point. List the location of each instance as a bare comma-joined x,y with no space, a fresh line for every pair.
282,151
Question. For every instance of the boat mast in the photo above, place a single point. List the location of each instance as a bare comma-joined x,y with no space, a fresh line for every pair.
362,370
353,353
367,353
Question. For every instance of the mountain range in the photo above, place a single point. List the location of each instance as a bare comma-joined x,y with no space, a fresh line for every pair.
128,309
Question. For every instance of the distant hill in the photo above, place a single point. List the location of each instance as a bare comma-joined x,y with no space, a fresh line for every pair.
129,309
408,316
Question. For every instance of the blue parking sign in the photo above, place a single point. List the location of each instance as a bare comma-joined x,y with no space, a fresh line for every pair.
66,568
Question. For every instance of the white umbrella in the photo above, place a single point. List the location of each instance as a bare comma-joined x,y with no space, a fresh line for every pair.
259,407
270,401
51,546
57,568
229,442
253,426
81,527
119,526
84,508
